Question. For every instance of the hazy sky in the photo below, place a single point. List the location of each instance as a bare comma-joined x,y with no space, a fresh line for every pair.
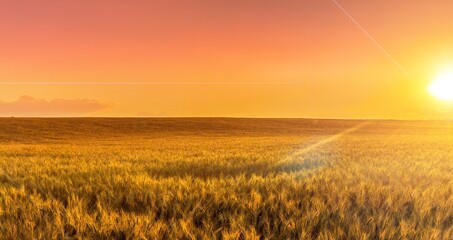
283,58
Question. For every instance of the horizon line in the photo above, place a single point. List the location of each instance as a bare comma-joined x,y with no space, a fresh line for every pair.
221,117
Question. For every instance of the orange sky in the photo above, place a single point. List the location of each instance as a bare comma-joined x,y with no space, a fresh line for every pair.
306,58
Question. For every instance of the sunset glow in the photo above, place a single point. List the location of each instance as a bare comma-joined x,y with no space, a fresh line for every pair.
232,119
232,58
442,86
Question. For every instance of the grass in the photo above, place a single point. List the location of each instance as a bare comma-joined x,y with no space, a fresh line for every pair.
225,179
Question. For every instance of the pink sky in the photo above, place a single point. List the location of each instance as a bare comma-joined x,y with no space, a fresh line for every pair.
334,70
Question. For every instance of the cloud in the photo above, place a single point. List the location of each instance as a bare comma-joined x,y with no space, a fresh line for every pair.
27,106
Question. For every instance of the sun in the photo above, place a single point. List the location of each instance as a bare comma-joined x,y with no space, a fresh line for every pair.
442,86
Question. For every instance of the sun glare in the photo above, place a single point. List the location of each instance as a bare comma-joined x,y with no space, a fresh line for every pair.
442,86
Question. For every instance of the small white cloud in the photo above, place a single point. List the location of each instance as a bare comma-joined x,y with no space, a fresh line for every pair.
27,106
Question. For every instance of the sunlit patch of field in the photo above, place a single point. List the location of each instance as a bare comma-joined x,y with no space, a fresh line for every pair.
225,179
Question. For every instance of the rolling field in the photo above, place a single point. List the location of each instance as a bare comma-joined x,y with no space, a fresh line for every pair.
225,179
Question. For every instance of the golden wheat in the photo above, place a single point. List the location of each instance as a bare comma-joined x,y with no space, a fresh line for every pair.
225,179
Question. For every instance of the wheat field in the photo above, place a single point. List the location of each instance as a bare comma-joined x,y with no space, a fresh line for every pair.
220,178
